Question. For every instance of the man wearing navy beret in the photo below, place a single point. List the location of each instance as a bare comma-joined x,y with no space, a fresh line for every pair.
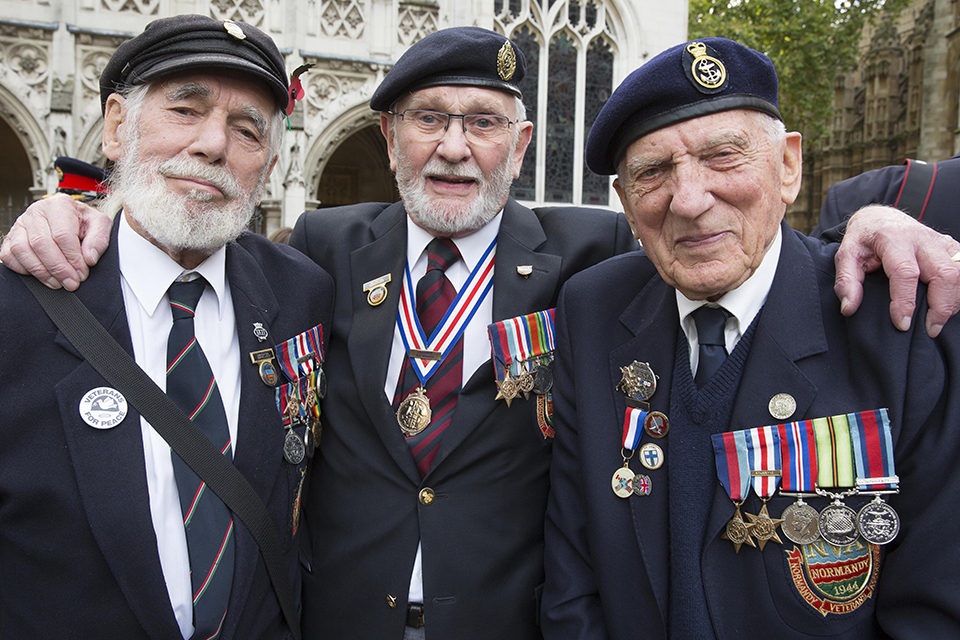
105,532
733,458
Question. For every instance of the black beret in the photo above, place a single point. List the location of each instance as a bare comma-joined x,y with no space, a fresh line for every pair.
194,42
686,81
80,179
467,56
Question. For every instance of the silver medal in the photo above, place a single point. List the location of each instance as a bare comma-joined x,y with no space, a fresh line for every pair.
878,523
293,448
800,523
838,524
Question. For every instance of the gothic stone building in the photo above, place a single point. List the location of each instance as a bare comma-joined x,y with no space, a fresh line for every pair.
52,53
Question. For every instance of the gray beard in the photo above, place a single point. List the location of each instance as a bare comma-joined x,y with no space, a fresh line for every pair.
448,216
182,222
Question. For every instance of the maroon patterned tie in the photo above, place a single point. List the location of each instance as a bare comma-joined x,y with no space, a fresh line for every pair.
435,294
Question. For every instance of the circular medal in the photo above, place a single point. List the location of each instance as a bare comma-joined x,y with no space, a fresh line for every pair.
638,380
543,379
308,443
622,482
656,424
782,406
293,448
321,383
414,413
801,523
651,456
878,523
838,524
525,383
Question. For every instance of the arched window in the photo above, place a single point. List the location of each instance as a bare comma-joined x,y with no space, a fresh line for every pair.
570,47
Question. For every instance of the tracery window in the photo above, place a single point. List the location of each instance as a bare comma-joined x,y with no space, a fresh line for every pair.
570,47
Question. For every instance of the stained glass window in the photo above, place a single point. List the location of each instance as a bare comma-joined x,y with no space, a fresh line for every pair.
599,81
525,187
561,112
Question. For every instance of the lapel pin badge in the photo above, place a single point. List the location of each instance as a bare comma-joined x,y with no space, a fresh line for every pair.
525,270
782,406
376,289
259,331
103,408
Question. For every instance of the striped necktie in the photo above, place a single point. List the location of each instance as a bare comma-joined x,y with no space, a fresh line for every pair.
207,521
435,294
710,323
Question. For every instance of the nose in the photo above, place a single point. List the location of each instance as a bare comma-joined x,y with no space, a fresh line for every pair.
210,142
691,191
453,145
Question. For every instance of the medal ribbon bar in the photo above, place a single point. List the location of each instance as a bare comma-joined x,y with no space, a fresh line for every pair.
763,448
733,467
873,450
517,340
834,452
798,447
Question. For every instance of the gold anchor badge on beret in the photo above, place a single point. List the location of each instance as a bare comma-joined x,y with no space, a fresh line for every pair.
234,29
506,61
706,70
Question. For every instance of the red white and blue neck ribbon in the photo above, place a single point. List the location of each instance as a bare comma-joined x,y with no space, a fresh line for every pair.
454,322
521,339
301,355
873,450
798,450
763,449
733,466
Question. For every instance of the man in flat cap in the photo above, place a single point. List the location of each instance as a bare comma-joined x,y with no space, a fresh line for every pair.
105,532
729,448
426,507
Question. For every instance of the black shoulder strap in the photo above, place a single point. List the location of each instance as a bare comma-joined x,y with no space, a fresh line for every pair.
119,369
916,187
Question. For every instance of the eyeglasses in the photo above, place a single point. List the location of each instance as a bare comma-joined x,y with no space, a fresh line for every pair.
478,127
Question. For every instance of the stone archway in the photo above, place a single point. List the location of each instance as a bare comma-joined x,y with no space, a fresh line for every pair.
358,171
16,177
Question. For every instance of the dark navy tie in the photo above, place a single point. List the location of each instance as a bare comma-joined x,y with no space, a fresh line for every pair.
710,322
435,294
207,521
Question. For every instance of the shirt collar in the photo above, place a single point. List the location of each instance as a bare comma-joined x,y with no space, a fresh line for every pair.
471,246
149,271
744,302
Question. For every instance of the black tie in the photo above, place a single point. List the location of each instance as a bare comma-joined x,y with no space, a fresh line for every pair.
713,351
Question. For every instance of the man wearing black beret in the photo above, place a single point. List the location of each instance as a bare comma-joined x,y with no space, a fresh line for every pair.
105,532
735,459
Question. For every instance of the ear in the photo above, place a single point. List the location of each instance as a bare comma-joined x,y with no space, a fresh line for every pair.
627,211
523,141
114,118
792,167
386,128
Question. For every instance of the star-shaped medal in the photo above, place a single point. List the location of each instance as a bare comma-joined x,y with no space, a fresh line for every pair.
764,527
738,531
507,389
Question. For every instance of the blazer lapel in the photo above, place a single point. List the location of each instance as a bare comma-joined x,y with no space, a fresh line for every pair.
513,295
110,469
652,313
372,327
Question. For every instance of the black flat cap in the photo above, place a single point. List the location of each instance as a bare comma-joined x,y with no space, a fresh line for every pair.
466,56
194,42
684,82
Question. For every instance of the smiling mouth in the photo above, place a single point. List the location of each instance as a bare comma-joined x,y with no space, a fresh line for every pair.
452,179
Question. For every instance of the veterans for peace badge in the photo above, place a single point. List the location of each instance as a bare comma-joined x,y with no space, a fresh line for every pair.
103,408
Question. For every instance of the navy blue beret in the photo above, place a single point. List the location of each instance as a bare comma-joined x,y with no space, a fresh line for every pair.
195,42
686,81
467,56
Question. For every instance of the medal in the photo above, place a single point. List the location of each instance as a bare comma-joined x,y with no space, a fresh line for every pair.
301,355
798,451
838,524
730,452
414,413
657,424
507,389
376,289
543,378
525,384
641,485
737,531
877,521
522,349
625,482
837,521
651,456
763,455
638,380
264,359
293,448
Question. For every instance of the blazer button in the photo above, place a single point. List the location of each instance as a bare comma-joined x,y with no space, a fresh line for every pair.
391,601
426,496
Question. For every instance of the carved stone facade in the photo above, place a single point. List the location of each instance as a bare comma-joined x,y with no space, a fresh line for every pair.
900,102
53,51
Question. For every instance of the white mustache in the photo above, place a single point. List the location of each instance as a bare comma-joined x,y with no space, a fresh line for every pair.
438,167
219,177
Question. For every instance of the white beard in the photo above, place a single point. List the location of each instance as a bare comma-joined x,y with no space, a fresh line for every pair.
452,216
182,222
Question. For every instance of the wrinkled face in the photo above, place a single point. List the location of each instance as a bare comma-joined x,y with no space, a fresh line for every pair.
193,154
705,197
454,184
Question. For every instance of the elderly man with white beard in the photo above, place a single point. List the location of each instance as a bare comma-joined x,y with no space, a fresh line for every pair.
105,531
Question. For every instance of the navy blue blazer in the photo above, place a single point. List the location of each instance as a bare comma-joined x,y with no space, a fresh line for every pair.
881,186
606,557
78,552
482,535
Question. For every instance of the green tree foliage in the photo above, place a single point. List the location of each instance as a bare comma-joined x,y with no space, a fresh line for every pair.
808,41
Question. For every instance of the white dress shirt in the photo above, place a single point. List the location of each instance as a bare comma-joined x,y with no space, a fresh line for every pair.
743,303
476,344
146,272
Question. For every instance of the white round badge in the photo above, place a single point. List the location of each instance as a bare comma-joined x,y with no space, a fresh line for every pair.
103,408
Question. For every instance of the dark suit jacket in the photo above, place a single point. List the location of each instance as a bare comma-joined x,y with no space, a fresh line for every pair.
881,186
606,557
78,552
482,535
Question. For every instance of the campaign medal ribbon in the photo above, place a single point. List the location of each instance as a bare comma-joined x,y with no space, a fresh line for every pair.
625,482
733,470
798,450
763,453
293,413
302,354
301,360
837,521
426,355
877,522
